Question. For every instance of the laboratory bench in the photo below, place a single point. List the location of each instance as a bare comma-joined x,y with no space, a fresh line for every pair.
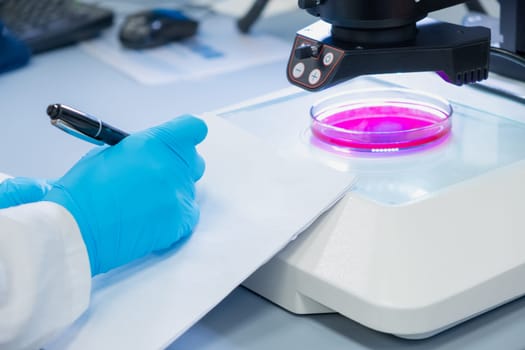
243,320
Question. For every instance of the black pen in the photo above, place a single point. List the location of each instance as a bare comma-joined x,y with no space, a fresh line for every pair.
84,126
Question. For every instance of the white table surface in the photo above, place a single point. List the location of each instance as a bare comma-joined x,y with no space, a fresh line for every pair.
30,147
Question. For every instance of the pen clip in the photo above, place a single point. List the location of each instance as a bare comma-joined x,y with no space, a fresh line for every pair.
66,127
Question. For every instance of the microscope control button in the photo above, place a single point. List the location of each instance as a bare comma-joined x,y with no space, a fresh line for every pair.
298,70
307,51
314,76
328,58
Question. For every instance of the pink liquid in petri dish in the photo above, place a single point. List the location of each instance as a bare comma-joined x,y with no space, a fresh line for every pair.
383,127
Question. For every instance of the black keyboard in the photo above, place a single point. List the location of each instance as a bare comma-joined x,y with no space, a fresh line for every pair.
47,24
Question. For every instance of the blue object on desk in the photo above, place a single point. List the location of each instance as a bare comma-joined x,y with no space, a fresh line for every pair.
13,52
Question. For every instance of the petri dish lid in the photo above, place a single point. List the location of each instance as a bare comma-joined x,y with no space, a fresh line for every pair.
381,120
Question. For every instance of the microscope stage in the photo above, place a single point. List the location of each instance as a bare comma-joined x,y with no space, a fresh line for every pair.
426,238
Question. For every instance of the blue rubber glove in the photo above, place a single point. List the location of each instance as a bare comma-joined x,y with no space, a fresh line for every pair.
138,196
21,190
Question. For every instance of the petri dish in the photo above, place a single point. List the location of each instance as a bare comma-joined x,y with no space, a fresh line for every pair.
381,120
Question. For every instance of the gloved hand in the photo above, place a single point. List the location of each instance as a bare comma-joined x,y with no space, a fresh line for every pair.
21,190
135,197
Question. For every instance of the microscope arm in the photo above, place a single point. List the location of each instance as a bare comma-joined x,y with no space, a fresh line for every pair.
507,56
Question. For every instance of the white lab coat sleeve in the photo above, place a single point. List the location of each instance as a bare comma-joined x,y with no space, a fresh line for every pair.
45,278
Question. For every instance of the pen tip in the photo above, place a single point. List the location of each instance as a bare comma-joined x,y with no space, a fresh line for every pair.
53,110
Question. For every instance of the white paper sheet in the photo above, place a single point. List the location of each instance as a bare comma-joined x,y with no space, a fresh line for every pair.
218,48
253,203
240,7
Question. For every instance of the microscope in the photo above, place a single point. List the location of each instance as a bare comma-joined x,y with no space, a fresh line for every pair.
427,238
382,36
356,37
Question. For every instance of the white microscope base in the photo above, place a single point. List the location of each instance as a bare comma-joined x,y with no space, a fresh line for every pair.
411,270
415,267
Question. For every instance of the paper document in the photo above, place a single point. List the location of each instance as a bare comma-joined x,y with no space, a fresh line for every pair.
240,7
253,202
218,47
